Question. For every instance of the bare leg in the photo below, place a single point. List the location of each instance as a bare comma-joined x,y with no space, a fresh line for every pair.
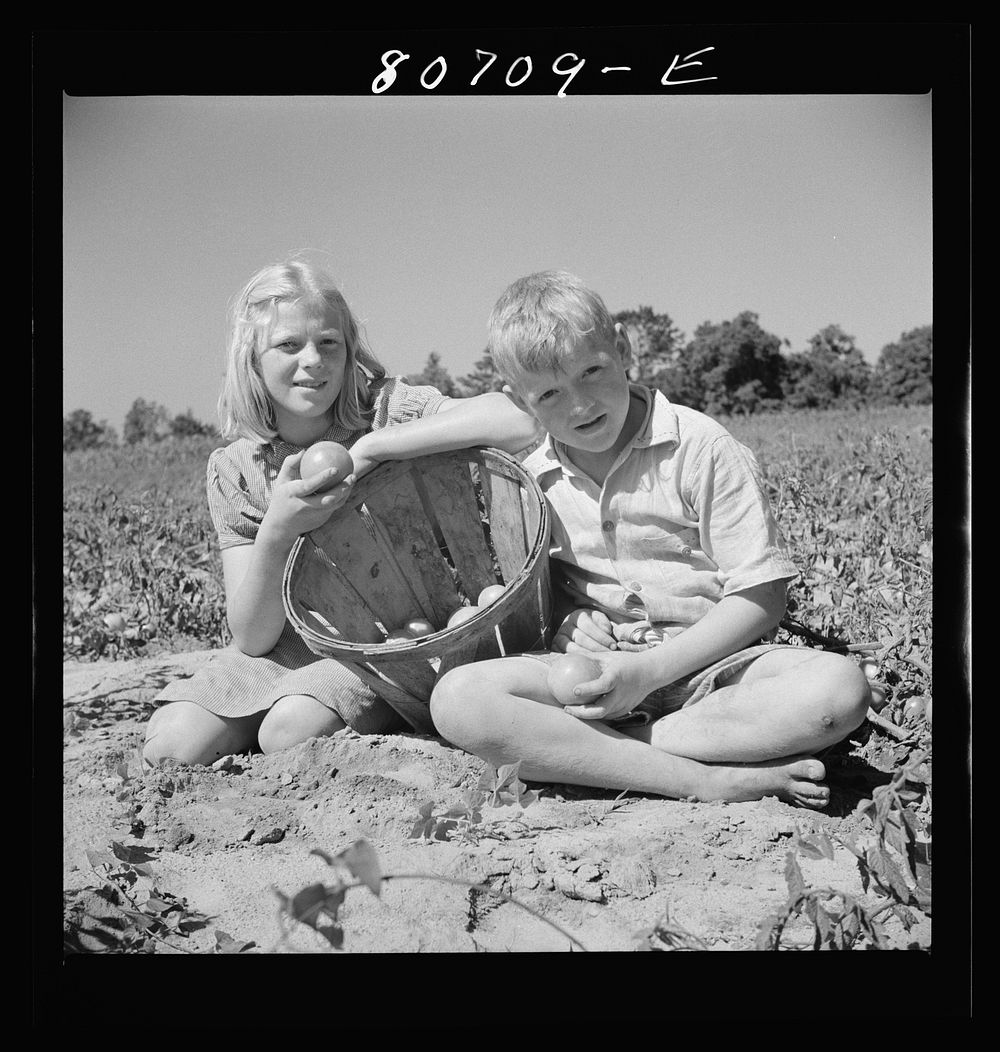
295,718
184,731
783,704
501,710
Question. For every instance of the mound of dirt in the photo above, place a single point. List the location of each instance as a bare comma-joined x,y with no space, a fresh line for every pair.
575,869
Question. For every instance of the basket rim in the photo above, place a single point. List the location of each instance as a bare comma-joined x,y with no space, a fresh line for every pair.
446,639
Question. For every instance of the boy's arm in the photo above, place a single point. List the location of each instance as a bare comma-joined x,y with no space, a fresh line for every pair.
736,621
486,420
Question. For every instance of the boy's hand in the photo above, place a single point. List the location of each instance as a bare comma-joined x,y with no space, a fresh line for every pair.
623,683
583,632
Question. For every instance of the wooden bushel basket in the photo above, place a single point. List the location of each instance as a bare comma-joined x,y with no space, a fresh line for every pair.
420,538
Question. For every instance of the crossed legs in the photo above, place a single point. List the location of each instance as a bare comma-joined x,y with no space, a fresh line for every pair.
754,737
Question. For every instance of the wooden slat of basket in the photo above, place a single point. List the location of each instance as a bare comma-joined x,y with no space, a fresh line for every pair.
318,585
451,502
506,514
399,511
482,649
413,709
370,566
527,628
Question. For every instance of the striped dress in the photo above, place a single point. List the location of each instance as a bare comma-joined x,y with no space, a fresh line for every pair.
232,684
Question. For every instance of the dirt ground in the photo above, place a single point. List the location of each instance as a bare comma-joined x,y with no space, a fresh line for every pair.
586,870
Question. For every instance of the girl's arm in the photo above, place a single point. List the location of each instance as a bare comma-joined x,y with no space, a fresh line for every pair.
253,572
486,420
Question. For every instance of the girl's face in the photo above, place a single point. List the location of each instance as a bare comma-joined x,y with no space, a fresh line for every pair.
303,369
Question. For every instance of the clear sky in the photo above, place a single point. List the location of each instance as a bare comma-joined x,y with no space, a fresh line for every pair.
807,209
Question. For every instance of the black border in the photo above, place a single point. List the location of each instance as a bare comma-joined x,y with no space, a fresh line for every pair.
629,992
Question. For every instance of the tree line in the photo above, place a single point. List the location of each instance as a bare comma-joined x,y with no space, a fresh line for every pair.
738,367
730,368
144,422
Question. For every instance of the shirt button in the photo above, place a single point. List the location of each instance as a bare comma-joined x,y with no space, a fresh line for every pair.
686,550
635,586
607,525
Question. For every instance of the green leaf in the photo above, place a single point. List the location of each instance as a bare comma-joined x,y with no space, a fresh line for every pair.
793,876
225,943
101,858
131,854
807,846
361,859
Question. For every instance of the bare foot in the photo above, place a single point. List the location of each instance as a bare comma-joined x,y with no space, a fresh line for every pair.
796,780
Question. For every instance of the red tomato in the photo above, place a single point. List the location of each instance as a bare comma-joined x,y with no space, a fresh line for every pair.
490,594
322,455
878,697
914,708
463,613
398,634
569,671
419,626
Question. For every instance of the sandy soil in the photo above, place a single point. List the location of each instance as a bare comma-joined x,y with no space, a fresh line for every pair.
599,873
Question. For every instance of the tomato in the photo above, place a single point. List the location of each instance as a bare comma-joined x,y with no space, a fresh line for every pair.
869,666
115,622
914,708
463,613
323,455
419,626
567,672
398,634
878,697
490,594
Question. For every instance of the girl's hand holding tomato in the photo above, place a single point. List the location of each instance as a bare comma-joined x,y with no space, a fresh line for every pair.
297,504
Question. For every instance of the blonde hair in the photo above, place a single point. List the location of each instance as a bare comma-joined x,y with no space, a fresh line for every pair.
539,318
245,409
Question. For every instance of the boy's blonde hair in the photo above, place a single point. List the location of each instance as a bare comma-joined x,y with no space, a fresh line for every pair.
539,318
245,409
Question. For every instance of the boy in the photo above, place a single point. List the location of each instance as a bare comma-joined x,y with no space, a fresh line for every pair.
658,516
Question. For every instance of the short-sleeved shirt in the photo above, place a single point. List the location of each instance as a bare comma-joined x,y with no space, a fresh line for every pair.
240,475
681,521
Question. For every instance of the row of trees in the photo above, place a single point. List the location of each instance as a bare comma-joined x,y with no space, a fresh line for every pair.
144,422
737,367
731,367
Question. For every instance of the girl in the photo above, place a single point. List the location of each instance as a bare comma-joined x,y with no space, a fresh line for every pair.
299,371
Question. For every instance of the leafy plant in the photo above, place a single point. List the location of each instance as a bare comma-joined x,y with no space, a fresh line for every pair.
463,822
130,912
318,905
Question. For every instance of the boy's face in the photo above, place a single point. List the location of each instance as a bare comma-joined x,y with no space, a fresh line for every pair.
585,401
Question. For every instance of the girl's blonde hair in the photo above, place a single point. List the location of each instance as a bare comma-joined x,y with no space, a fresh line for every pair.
245,409
539,318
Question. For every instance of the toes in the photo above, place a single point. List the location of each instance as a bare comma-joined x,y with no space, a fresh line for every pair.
809,795
811,769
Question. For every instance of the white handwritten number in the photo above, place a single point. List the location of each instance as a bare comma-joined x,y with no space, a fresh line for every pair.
388,75
665,79
480,54
526,59
572,71
439,61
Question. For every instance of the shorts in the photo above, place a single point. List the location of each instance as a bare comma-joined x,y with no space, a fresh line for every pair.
688,690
